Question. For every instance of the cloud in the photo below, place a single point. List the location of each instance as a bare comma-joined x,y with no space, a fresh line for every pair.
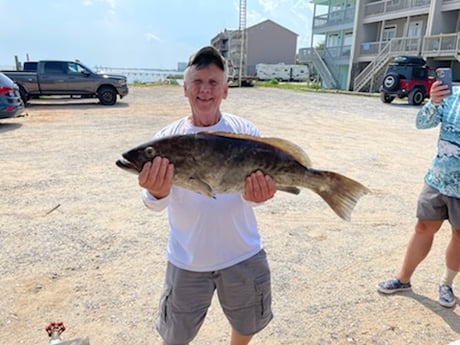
254,17
270,5
110,4
151,37
292,14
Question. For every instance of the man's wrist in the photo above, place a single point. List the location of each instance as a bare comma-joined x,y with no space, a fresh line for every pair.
157,197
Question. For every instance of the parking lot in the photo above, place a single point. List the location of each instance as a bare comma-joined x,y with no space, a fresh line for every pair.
77,244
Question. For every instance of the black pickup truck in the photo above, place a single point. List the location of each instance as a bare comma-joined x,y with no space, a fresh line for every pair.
52,77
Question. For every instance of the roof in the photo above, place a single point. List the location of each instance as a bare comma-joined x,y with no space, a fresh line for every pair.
272,22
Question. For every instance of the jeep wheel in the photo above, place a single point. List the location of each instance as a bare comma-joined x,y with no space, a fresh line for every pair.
391,82
416,97
385,98
107,95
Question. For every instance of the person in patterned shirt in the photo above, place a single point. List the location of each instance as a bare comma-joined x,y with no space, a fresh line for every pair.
440,196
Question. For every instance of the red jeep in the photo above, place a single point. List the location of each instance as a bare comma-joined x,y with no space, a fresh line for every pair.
407,76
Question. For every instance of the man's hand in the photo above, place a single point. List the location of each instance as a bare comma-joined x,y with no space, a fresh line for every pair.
156,177
259,187
438,92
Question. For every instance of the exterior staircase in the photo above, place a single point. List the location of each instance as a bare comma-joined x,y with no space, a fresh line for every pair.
370,78
327,78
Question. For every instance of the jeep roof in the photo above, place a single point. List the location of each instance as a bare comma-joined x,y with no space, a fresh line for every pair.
408,60
409,67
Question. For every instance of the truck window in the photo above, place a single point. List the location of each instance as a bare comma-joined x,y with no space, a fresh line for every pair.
30,66
76,68
55,67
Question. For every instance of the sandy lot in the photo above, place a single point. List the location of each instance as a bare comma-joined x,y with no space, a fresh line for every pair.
77,244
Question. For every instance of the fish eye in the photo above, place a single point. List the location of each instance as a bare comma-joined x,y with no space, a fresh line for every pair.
149,151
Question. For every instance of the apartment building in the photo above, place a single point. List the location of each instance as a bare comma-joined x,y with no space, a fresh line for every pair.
265,42
381,30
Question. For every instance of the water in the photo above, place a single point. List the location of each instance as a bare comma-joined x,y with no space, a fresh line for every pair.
141,75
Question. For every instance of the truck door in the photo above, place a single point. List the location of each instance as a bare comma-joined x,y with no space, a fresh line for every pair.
78,79
53,77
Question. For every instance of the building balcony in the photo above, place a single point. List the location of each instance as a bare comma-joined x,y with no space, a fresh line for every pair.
331,21
387,9
442,45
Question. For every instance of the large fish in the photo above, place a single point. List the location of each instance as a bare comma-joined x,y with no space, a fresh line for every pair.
218,162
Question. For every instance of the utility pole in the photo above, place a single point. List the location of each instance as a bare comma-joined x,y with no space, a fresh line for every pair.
242,29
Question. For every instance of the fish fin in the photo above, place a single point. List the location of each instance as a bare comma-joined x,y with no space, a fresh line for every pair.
201,187
294,150
288,189
341,193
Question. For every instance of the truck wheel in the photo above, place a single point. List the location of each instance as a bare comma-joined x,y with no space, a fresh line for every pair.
391,82
416,97
385,98
107,95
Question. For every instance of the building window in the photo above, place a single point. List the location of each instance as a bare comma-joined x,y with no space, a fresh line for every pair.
333,40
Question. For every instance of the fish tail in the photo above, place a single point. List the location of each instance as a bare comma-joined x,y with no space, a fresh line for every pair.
341,193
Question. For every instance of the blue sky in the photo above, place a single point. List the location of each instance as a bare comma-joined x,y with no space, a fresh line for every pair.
132,33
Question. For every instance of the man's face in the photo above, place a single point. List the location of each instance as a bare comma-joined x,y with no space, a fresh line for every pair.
205,89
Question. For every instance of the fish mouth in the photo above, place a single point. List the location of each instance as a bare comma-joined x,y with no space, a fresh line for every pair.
127,165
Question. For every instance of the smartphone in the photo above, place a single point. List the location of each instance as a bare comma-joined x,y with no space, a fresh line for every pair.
444,75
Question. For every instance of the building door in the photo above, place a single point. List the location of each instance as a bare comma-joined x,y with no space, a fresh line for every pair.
415,29
414,33
388,33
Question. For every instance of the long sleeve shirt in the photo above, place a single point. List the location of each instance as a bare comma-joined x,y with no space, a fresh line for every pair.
444,171
208,234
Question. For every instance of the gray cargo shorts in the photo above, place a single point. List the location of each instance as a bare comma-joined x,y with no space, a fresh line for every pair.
432,205
244,292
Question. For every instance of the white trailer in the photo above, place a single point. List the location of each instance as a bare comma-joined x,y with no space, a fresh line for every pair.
300,73
278,71
282,72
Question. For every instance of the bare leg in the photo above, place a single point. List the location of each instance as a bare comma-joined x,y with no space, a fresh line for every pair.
453,251
418,248
238,339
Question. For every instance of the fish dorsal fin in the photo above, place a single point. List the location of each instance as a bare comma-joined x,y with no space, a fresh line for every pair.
282,144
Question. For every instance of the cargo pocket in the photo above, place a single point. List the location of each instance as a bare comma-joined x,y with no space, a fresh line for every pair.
163,307
263,290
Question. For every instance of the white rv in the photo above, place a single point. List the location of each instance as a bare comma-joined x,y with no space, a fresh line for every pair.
282,72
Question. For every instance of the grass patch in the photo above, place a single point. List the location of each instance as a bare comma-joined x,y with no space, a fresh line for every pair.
155,83
301,86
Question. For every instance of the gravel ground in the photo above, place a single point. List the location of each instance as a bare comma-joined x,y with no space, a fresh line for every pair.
77,245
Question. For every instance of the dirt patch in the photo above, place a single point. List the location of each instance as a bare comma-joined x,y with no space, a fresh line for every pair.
76,243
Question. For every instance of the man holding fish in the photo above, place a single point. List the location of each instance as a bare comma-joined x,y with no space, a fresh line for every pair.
214,243
210,169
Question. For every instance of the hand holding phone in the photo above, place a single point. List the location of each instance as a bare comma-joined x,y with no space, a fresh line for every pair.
444,75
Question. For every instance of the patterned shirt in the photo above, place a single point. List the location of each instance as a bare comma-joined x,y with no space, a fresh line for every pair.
444,171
